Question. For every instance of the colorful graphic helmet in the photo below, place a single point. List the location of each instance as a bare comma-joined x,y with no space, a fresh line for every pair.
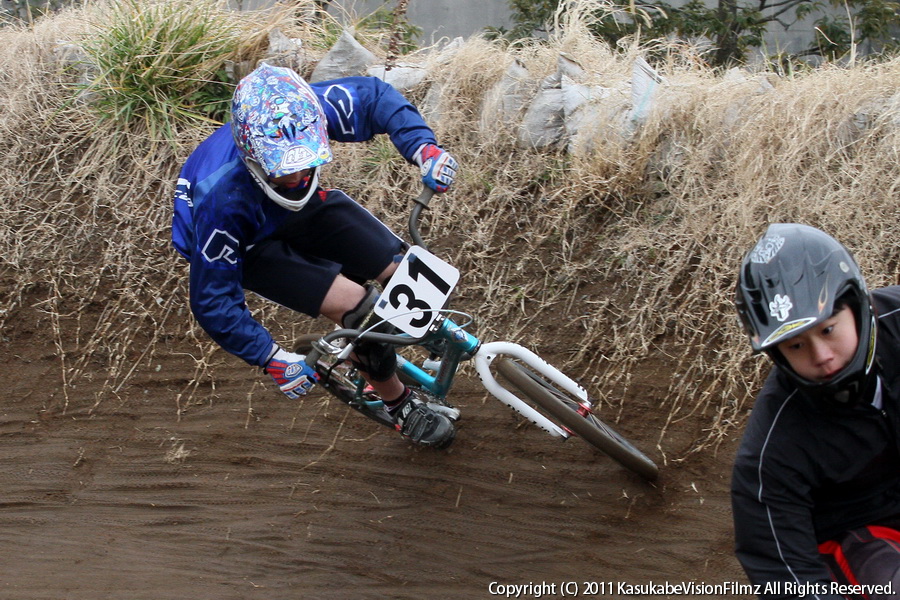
279,129
792,280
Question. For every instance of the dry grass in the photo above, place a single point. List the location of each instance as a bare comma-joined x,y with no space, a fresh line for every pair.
611,259
86,207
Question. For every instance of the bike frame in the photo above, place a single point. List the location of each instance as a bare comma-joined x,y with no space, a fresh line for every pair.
461,345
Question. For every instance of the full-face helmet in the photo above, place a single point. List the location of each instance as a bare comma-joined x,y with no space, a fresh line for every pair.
280,129
794,278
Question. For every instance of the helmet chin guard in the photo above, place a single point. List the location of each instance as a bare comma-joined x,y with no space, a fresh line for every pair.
263,182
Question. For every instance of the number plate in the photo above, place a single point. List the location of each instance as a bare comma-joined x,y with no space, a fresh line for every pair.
418,289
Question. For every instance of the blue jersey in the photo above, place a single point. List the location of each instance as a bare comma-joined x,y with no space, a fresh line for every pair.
220,212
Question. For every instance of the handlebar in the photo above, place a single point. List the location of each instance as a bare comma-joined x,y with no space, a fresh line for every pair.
421,203
323,346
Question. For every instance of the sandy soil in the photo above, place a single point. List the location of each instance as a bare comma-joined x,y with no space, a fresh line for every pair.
248,495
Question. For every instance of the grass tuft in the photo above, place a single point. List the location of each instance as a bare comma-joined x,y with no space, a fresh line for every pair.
161,63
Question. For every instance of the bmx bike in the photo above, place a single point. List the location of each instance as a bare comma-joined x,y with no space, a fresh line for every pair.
414,302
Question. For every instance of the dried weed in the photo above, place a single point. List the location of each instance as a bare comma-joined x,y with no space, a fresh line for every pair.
606,259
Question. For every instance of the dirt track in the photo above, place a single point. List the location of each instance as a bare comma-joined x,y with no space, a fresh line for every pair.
308,500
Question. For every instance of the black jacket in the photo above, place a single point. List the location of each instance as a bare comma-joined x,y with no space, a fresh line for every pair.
806,472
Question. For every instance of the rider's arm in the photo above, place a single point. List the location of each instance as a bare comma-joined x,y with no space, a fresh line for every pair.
775,545
218,304
216,291
359,108
772,508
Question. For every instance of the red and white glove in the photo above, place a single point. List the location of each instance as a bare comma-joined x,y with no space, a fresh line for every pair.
291,373
437,166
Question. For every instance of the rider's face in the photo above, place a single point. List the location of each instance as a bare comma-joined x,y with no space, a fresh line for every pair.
818,354
291,180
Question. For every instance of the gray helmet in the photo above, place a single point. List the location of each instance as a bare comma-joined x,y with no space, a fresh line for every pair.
792,280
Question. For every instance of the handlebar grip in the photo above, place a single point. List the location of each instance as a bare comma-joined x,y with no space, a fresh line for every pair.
425,196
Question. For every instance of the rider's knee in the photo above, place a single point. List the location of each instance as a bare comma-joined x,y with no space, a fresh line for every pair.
356,316
376,359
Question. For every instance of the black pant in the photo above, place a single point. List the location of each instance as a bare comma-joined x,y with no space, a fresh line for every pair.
297,265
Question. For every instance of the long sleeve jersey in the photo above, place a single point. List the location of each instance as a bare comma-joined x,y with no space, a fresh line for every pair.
806,472
220,213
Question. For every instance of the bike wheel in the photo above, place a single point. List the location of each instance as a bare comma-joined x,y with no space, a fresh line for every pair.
341,380
569,412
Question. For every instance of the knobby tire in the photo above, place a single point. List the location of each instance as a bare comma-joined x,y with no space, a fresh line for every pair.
563,408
